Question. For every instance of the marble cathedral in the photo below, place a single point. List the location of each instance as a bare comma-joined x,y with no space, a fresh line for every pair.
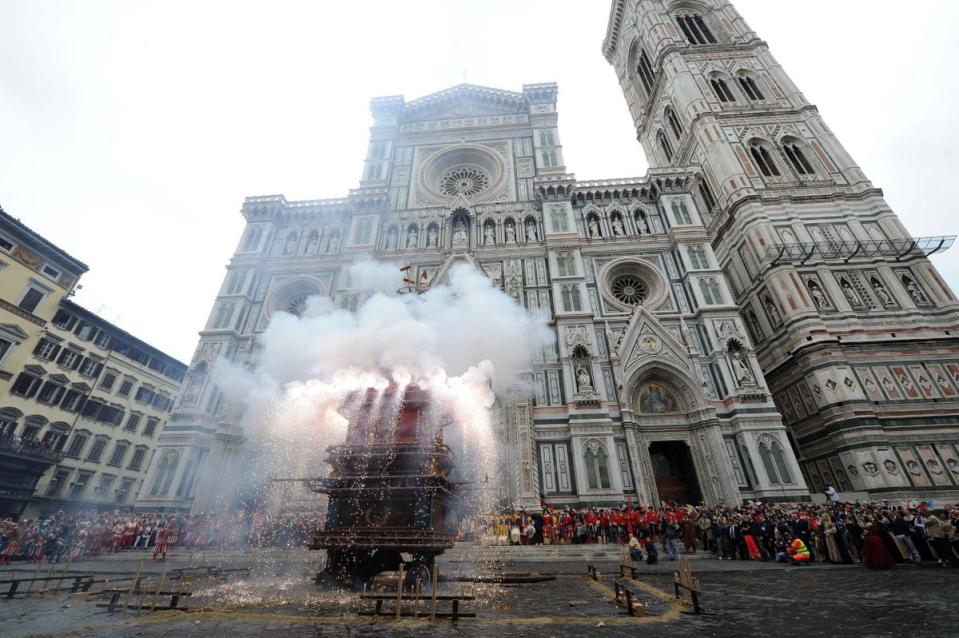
748,320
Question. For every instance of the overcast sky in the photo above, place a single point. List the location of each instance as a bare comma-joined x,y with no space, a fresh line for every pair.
130,132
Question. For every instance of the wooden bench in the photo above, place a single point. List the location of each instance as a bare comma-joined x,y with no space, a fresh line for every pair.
116,593
80,583
628,593
688,588
627,567
592,572
400,599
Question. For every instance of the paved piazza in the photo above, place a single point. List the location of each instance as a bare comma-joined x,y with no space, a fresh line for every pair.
741,598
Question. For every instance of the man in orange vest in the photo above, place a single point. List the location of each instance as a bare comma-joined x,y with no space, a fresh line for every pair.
798,552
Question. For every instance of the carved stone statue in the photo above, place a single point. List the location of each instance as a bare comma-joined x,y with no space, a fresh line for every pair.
618,229
882,293
431,237
334,245
583,382
412,239
744,376
459,234
773,311
642,225
819,297
593,228
917,295
391,240
312,244
290,247
850,294
510,234
488,238
531,234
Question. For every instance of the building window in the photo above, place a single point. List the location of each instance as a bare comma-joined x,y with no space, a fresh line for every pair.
559,219
90,367
565,264
597,466
55,486
150,427
51,393
7,426
119,451
681,213
125,388
798,159
546,138
665,146
144,395
252,239
572,300
645,71
51,272
46,349
765,162
707,194
64,320
103,340
108,380
5,347
5,244
69,359
26,385
674,122
137,461
76,445
72,401
76,490
132,422
750,88
96,451
721,89
697,257
166,469
695,29
31,298
774,462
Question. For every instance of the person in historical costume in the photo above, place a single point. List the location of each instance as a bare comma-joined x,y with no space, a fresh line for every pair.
875,553
829,534
937,538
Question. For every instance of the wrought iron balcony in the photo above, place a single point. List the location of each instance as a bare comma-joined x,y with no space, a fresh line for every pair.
845,251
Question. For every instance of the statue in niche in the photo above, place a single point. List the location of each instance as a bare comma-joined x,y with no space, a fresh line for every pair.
391,239
510,234
757,327
772,310
334,245
583,382
618,229
312,244
884,297
850,294
642,224
744,376
488,238
459,234
593,227
412,238
290,247
431,237
917,295
531,234
819,297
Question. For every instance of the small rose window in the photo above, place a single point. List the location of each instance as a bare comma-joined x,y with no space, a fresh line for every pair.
464,180
629,289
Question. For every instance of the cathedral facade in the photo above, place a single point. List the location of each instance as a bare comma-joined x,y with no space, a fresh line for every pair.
752,280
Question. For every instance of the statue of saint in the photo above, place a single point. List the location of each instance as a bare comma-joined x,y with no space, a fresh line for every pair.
642,225
411,239
773,311
431,237
882,293
312,244
290,247
459,234
818,296
391,240
744,376
593,228
583,382
488,238
851,295
618,229
917,295
531,234
510,234
334,245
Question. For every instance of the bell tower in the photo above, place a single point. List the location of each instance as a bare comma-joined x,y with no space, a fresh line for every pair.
856,331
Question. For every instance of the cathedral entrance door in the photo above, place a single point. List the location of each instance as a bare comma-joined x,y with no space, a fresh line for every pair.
675,473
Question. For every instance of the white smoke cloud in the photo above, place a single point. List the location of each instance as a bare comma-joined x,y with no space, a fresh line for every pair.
465,341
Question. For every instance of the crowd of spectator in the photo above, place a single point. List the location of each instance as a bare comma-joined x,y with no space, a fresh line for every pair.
878,535
63,536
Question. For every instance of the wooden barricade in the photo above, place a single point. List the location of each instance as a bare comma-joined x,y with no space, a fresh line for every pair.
687,587
627,593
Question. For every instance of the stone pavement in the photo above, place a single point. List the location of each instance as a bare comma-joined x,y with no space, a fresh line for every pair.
742,599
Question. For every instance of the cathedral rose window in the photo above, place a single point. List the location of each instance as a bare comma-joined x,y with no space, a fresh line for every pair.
297,305
465,180
629,289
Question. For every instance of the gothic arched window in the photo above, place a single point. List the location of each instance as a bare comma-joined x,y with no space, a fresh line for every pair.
681,213
565,264
597,466
665,146
721,89
645,71
572,301
673,121
695,29
797,157
253,239
166,469
706,292
750,88
767,458
764,160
